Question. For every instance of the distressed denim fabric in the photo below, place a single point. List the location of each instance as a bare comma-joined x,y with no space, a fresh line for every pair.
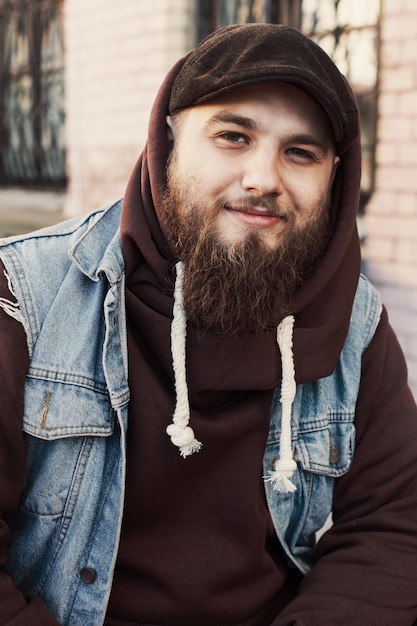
323,437
69,281
70,284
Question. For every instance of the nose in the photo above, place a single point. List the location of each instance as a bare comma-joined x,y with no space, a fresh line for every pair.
262,173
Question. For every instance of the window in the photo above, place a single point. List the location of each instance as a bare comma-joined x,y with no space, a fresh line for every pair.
348,30
215,13
32,148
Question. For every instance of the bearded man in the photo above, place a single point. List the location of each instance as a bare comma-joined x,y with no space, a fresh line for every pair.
197,378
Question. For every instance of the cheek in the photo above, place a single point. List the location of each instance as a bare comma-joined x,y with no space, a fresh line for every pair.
301,191
307,191
216,178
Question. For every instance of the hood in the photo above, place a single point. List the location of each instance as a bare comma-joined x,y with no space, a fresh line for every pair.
322,306
218,369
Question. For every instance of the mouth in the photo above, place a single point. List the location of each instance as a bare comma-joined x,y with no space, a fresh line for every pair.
255,216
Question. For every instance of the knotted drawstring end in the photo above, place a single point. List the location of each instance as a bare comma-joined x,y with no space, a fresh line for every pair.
183,437
281,474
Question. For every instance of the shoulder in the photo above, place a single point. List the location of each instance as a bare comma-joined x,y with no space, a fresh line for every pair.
48,250
67,229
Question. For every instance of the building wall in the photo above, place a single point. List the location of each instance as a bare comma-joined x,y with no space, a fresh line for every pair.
117,54
391,216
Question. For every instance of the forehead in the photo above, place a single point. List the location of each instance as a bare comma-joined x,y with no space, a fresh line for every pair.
278,101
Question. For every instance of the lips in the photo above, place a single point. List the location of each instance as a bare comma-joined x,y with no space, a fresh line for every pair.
258,217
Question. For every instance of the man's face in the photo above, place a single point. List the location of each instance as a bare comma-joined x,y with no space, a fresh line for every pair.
264,153
249,181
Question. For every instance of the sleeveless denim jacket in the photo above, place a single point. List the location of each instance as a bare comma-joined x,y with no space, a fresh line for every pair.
69,282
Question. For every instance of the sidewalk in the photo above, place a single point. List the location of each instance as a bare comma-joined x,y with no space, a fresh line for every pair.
23,211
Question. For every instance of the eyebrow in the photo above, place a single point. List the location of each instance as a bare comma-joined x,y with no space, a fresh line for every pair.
232,118
248,123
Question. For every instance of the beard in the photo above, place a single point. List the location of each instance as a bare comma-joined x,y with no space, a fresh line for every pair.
241,287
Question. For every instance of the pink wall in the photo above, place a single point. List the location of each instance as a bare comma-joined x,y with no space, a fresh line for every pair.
391,218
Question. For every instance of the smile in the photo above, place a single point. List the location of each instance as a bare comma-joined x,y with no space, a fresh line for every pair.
257,217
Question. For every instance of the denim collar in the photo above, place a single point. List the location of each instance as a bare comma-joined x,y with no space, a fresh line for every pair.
98,249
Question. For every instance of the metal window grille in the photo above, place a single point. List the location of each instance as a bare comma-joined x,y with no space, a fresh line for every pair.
215,13
349,32
32,147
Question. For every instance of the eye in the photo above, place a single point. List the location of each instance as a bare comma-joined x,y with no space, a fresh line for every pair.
233,137
301,154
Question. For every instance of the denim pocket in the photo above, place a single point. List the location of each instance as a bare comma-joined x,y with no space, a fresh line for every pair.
327,450
60,405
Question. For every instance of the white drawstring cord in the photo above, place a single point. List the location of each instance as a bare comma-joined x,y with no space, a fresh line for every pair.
285,466
182,435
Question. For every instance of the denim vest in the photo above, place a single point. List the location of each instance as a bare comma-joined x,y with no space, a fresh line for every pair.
69,281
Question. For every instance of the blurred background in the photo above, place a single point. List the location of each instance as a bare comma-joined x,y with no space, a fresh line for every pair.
77,82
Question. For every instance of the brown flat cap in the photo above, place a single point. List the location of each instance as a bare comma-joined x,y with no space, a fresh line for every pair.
239,55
